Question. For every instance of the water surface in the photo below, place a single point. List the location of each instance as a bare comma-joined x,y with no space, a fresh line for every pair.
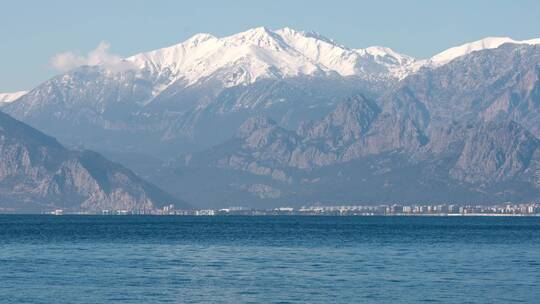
290,259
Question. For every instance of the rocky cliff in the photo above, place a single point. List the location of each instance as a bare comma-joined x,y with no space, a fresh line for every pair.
38,174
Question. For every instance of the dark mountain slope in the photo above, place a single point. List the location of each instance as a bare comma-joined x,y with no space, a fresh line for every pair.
39,174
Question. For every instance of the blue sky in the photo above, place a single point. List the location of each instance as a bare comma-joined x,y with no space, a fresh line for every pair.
31,32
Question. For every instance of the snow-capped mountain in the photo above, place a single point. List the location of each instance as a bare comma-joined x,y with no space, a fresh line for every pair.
201,90
467,48
208,83
434,115
261,53
10,97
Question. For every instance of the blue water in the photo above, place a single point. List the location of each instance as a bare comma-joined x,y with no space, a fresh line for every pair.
131,259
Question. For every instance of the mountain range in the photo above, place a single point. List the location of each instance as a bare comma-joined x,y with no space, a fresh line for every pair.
273,117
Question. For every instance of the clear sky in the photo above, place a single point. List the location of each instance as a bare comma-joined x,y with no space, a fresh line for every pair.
31,32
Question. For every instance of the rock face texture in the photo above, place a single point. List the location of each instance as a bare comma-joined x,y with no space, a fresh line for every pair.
471,125
39,174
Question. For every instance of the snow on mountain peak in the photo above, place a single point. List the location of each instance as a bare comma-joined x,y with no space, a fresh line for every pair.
252,54
197,39
11,97
307,34
321,51
261,53
386,52
260,37
467,48
258,53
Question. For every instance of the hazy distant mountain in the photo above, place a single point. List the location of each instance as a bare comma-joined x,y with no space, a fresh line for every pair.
360,153
39,174
270,117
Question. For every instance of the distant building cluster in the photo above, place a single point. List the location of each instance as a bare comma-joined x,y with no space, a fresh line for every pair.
524,209
424,209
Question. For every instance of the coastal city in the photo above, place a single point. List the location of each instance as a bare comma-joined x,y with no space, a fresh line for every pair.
508,209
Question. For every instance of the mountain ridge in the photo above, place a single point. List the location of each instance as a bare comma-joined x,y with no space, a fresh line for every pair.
38,174
6,98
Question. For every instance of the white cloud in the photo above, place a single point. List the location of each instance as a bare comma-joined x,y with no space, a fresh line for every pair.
99,56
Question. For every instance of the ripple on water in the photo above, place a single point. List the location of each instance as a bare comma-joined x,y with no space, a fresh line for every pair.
268,260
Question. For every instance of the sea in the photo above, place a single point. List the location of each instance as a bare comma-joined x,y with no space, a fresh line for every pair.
269,259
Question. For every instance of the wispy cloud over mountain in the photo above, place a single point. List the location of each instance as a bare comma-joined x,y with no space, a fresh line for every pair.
99,56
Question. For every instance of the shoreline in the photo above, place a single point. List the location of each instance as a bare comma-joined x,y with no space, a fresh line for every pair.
281,215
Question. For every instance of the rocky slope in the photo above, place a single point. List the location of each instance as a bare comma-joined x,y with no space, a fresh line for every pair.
480,160
39,174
